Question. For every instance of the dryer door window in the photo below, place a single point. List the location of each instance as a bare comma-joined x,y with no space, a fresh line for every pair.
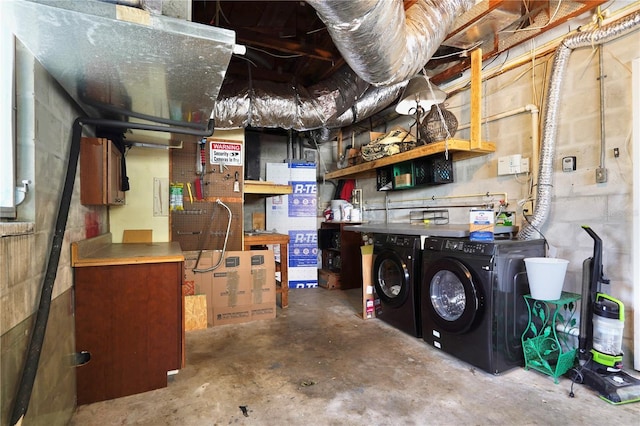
391,279
453,300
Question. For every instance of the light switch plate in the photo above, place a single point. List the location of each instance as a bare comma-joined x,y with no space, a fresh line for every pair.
569,164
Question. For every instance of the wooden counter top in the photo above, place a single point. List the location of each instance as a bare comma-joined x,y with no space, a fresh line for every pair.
100,251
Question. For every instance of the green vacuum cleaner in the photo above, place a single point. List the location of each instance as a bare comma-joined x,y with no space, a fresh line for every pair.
600,342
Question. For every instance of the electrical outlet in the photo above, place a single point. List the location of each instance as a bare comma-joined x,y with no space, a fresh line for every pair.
527,208
601,175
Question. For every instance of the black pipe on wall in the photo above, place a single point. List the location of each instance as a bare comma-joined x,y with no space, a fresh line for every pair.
34,350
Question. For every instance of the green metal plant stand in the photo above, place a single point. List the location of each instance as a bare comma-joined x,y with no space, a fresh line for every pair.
545,349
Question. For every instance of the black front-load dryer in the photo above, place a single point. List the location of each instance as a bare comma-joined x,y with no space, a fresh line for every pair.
472,299
396,278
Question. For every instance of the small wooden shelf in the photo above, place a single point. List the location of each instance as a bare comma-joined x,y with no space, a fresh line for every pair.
265,188
458,149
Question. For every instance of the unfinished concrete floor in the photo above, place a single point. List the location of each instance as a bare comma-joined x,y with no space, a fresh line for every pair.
319,363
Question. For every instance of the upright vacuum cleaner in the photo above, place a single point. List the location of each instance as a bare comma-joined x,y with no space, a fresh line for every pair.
600,343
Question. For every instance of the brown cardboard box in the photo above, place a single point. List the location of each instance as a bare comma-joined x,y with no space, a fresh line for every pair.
201,281
375,135
263,285
263,277
241,289
231,283
223,315
329,280
228,286
189,288
402,180
368,293
263,311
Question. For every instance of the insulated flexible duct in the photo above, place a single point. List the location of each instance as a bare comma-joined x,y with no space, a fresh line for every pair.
358,29
287,106
589,38
383,43
270,106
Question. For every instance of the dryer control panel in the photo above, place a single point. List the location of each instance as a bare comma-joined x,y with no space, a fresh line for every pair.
459,246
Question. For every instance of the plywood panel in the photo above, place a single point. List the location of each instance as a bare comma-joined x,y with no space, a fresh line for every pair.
195,312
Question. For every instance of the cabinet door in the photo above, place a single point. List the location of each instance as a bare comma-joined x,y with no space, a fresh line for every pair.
93,166
113,180
350,243
100,172
129,318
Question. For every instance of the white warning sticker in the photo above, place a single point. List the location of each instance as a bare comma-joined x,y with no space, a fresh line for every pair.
228,153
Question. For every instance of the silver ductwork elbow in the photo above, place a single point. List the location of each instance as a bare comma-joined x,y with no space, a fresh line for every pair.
373,101
589,38
383,43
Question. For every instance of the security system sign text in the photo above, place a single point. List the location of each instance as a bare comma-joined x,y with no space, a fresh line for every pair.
228,153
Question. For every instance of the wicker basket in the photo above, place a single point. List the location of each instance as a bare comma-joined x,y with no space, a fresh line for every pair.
435,128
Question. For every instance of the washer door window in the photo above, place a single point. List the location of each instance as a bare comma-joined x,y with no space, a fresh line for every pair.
391,278
453,300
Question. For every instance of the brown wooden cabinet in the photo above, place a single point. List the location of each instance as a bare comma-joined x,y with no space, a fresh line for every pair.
341,253
128,316
100,172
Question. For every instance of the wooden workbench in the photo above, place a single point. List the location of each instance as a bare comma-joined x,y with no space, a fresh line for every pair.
265,239
99,251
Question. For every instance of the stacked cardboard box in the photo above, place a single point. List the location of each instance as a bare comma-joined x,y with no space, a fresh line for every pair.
241,289
263,285
328,279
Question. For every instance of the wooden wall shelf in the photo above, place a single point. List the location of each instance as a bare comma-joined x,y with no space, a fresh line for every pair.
265,188
457,148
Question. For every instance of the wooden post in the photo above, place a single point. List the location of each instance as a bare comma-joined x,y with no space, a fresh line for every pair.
475,136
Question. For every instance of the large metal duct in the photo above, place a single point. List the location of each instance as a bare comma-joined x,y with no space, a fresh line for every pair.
381,42
288,106
357,29
590,38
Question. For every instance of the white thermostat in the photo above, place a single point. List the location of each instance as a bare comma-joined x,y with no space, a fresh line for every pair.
568,164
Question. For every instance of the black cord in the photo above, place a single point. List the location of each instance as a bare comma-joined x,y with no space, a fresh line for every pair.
577,374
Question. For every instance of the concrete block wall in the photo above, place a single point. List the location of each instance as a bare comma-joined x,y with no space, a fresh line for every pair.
45,116
576,197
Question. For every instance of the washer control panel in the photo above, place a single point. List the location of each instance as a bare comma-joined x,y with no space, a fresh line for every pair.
459,246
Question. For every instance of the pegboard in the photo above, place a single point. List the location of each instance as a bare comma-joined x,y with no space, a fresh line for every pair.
201,224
